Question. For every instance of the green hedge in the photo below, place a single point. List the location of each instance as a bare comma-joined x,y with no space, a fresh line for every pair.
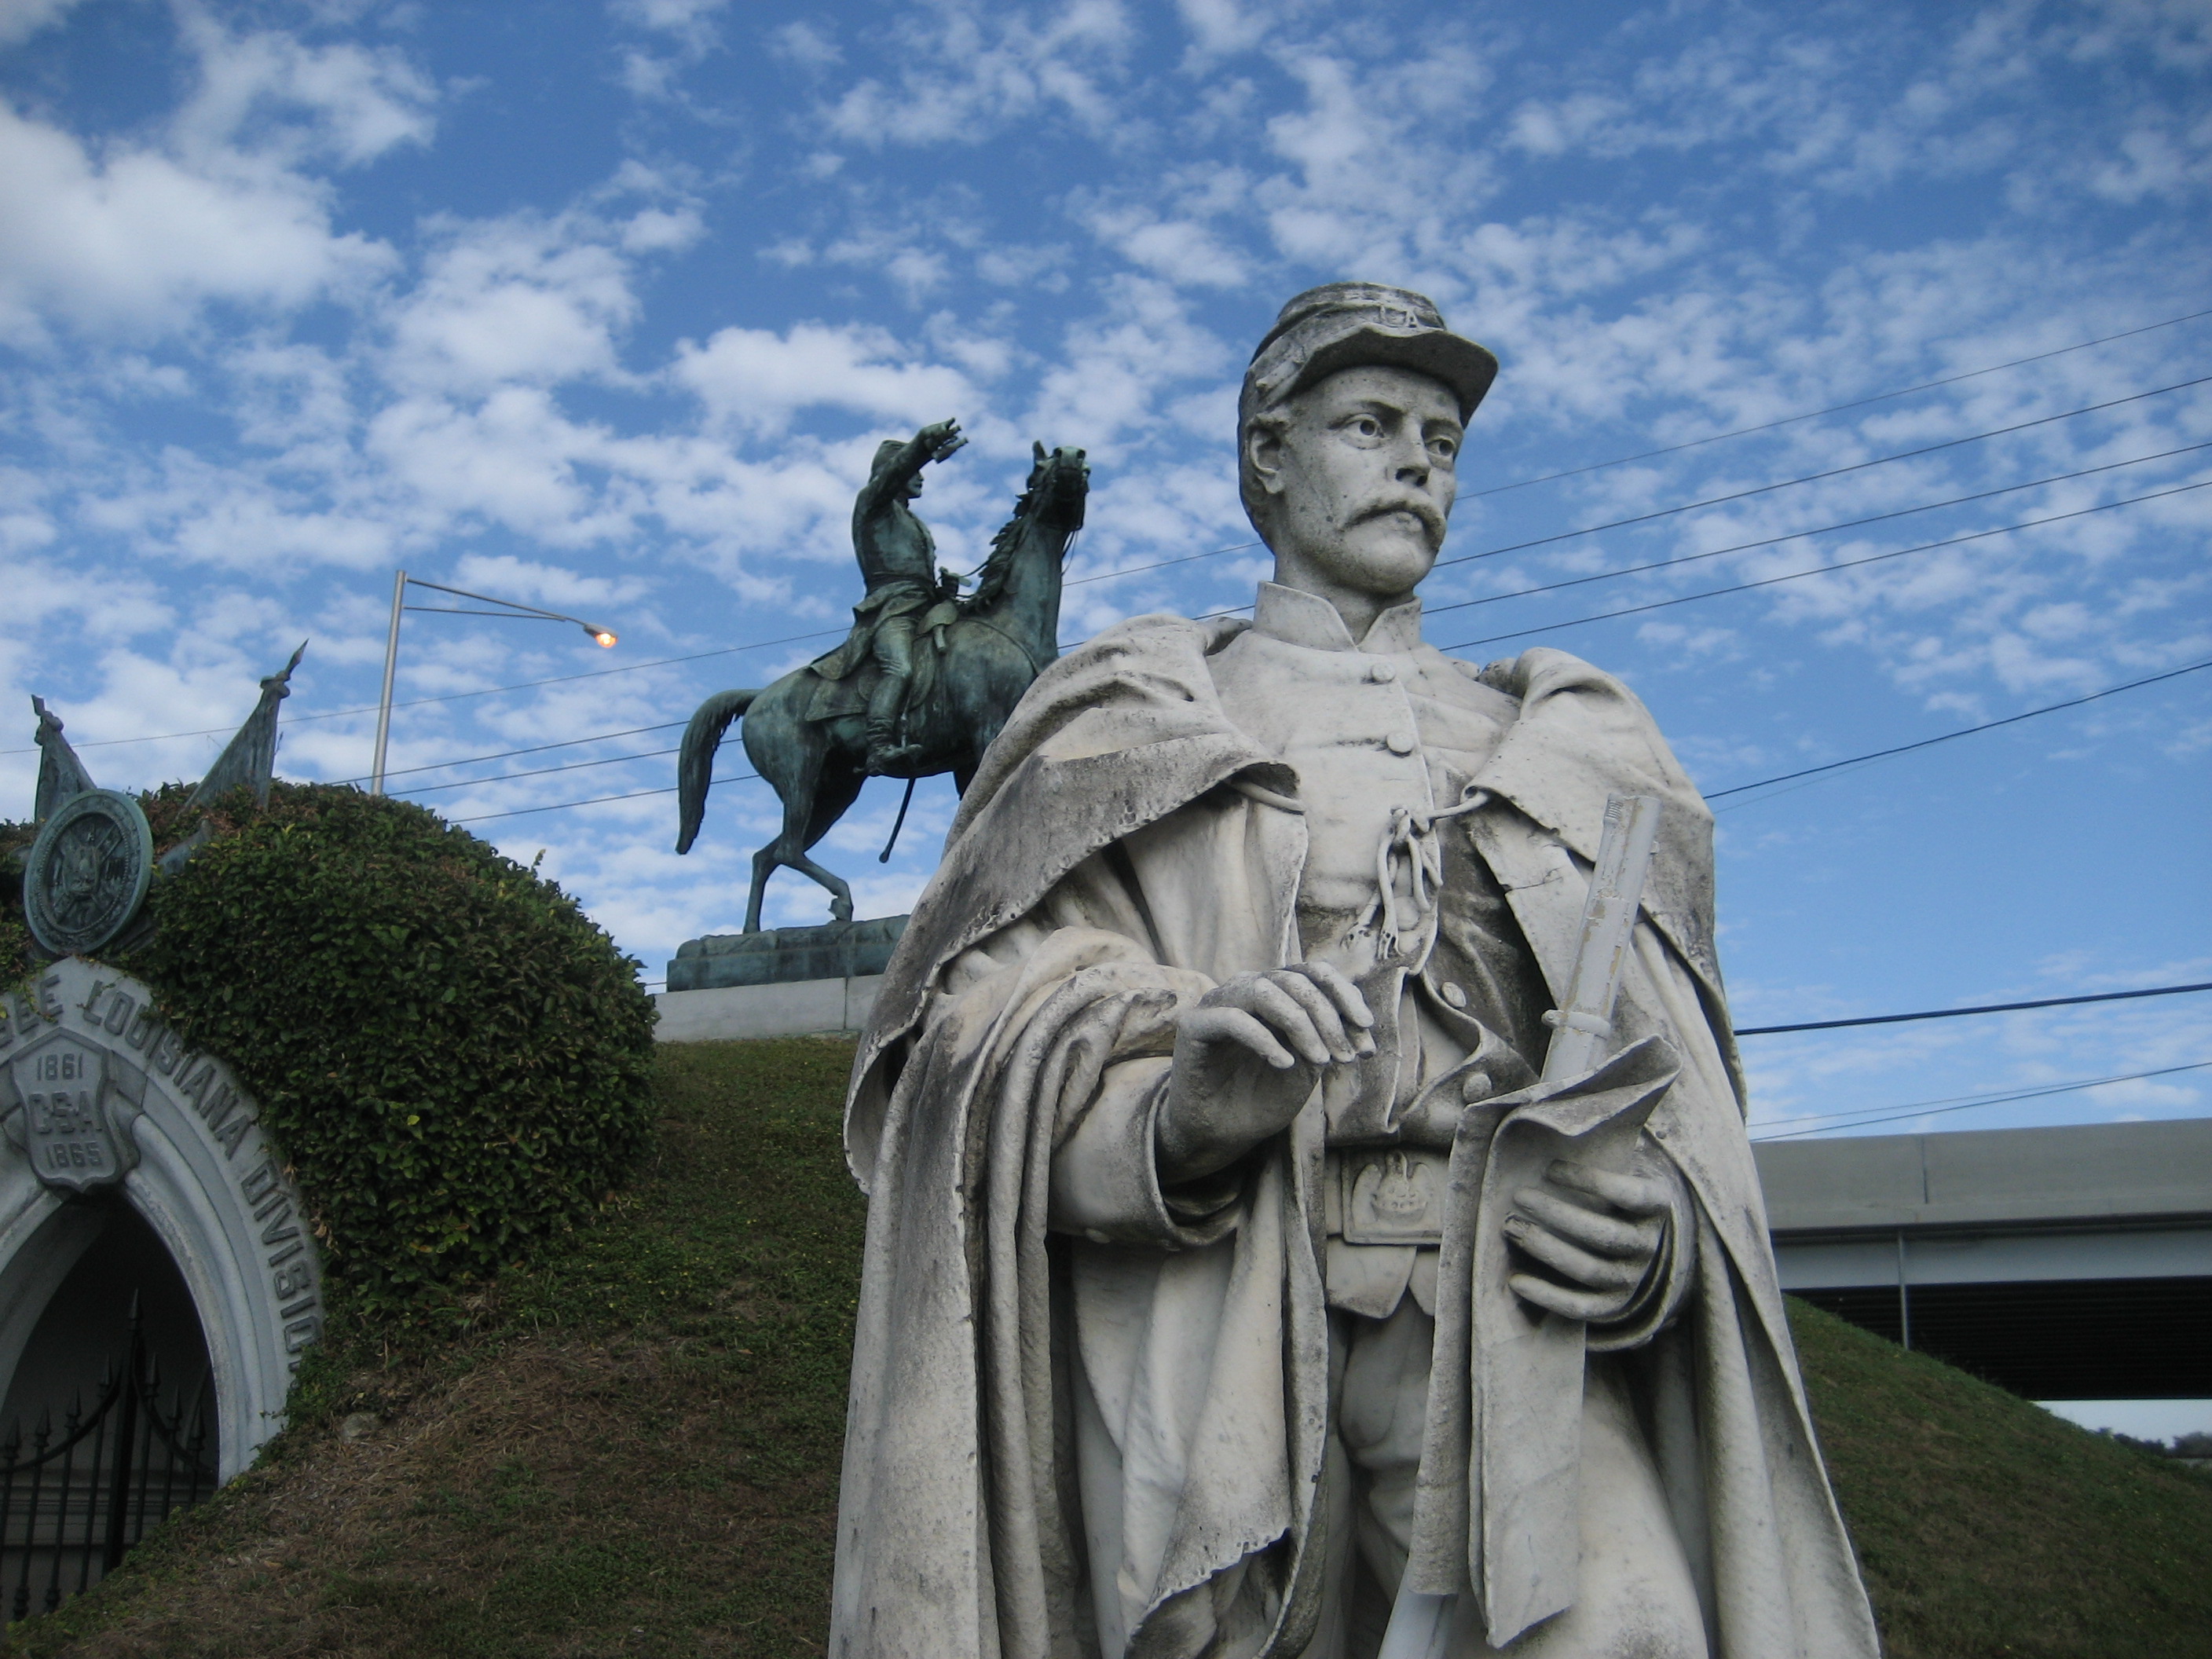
452,1056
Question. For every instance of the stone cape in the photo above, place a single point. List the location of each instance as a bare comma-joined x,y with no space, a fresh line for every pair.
98,1093
957,1532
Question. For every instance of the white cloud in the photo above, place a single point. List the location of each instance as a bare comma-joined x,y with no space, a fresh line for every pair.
1117,369
516,300
970,68
687,20
1553,127
511,459
1219,27
555,586
1182,251
2171,161
807,45
755,380
135,241
1374,167
21,19
135,237
269,94
659,230
689,27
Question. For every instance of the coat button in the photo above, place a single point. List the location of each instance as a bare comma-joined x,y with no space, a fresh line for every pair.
1453,994
1400,743
1380,673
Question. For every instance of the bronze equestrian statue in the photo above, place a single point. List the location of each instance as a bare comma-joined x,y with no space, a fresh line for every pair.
932,699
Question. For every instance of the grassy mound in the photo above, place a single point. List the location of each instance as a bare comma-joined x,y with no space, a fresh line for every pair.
453,1057
632,1449
1985,1526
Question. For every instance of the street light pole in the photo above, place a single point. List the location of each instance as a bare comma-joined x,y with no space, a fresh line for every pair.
600,636
384,703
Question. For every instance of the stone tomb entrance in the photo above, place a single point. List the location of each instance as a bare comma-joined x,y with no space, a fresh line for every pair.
158,1283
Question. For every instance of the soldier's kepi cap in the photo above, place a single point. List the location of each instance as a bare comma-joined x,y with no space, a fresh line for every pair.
1351,325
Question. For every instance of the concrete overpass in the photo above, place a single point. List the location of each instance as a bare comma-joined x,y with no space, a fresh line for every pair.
2062,1264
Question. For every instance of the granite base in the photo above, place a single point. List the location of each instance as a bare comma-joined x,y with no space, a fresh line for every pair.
810,1007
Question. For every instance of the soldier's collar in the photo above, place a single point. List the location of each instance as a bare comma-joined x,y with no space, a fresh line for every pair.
1298,617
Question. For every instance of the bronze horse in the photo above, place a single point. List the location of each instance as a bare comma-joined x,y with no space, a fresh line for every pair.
806,735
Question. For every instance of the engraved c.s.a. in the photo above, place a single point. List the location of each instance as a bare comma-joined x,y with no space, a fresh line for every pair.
68,1135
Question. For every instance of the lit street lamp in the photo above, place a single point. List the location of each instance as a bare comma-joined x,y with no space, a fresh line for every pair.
400,582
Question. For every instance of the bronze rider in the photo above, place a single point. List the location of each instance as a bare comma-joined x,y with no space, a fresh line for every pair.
898,562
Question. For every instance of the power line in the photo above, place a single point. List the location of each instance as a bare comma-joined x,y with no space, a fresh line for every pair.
1587,530
1716,795
1158,564
1814,477
1785,484
1837,409
540,772
508,754
1830,569
563,679
1823,530
1834,1121
456,696
1987,1008
1767,426
1693,558
1761,1030
1963,731
794,639
1771,541
561,806
1879,754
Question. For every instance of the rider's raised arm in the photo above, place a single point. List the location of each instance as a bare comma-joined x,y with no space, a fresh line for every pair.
888,482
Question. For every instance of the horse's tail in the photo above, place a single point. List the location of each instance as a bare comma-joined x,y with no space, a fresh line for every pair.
694,764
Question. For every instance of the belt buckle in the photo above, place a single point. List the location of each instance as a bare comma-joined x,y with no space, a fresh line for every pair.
1392,1195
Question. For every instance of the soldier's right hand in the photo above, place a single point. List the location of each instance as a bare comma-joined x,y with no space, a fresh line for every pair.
941,438
1247,1056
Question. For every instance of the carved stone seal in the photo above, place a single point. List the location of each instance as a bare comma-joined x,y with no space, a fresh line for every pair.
88,872
66,1126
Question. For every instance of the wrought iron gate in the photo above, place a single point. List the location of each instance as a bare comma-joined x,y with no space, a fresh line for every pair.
74,1500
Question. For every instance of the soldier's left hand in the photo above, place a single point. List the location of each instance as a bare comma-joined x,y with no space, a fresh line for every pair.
1596,1230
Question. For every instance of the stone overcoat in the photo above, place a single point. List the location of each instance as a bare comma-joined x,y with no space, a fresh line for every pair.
1123,849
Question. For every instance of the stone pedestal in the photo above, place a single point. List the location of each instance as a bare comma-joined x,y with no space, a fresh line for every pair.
783,955
783,982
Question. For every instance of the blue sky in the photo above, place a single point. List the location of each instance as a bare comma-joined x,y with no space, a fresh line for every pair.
605,306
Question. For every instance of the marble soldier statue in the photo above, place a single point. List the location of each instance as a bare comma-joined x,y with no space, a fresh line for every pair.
1189,1318
898,563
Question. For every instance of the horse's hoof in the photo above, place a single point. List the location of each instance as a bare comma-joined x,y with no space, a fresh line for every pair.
840,910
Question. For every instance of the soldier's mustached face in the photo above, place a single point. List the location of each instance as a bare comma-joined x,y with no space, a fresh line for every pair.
1362,477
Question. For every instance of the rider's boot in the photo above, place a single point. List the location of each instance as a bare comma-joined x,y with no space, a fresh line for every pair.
888,759
885,752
